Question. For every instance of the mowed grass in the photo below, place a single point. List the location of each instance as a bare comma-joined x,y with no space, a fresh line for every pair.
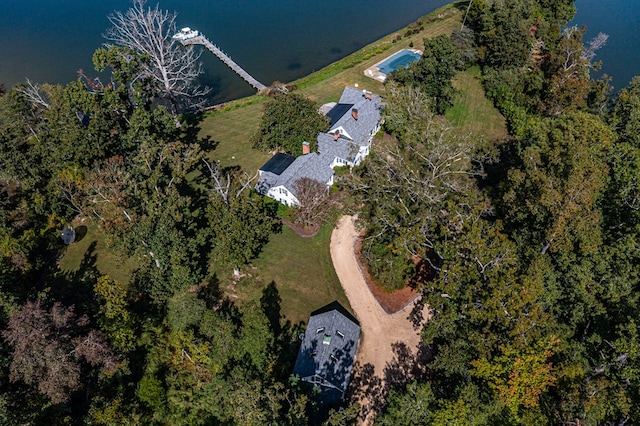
472,110
301,269
231,132
92,252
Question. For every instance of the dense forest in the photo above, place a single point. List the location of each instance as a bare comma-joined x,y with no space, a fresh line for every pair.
523,248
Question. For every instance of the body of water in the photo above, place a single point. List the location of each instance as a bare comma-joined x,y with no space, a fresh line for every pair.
620,19
48,41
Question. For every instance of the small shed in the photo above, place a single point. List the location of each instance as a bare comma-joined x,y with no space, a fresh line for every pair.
328,350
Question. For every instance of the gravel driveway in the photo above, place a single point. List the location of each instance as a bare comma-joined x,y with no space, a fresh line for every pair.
380,331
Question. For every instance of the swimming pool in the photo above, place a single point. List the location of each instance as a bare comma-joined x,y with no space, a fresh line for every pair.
401,59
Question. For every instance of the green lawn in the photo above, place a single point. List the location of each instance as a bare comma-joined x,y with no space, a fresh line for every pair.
92,251
302,270
472,110
231,132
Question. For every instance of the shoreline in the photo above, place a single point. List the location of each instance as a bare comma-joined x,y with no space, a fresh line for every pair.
371,50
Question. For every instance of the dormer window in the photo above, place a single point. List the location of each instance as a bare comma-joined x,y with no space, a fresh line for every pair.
340,334
320,330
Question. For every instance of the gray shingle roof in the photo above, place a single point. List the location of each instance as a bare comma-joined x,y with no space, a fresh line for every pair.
369,114
312,166
340,148
328,350
317,165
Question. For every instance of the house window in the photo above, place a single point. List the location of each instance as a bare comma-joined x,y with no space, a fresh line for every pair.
283,191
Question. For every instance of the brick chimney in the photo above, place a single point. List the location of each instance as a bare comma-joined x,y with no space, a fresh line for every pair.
306,148
354,113
336,136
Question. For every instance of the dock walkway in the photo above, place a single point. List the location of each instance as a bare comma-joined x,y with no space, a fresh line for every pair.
200,39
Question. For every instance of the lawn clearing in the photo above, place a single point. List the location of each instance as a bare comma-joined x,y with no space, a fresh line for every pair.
472,110
231,131
302,270
91,251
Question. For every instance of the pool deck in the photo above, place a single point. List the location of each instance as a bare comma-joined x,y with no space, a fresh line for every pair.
374,71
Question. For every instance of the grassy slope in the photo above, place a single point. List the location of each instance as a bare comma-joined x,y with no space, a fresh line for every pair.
301,267
231,132
473,110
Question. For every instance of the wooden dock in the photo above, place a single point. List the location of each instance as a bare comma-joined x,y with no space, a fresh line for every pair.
200,39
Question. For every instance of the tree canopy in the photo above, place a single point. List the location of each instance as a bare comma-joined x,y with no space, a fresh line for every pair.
288,120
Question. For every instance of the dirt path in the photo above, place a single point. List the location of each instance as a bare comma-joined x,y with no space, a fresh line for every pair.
381,332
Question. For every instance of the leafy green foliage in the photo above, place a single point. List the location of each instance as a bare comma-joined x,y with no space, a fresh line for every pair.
288,120
408,186
115,319
533,302
433,72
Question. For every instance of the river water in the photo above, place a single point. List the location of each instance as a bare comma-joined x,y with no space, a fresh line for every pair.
48,41
620,19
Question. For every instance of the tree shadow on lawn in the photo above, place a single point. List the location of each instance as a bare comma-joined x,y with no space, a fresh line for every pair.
81,232
286,334
191,132
76,287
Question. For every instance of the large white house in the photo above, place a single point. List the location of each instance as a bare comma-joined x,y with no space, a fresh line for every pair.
354,120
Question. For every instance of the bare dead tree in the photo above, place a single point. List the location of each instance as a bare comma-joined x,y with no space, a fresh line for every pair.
34,94
574,53
221,184
171,67
315,202
596,43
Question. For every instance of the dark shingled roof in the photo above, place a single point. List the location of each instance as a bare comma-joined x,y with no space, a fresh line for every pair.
328,350
278,163
338,111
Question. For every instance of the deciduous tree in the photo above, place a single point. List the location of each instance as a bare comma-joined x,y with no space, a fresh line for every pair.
433,72
48,347
288,120
315,202
172,68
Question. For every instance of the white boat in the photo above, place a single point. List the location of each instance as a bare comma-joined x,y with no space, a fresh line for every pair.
186,33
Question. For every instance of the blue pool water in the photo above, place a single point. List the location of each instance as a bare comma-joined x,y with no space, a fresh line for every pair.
401,59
